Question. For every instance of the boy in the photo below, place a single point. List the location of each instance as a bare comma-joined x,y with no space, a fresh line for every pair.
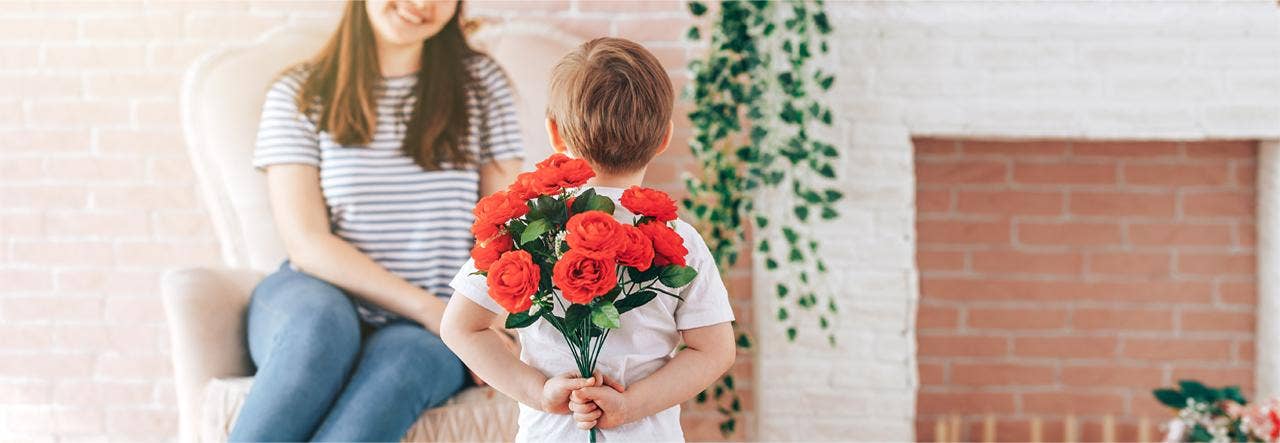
610,104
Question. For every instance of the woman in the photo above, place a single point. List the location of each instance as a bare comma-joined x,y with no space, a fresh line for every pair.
375,152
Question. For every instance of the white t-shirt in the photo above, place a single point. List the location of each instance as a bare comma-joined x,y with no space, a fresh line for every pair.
646,341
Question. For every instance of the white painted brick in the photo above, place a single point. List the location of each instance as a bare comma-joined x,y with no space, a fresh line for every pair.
929,82
1251,53
1157,85
989,54
1131,53
1250,84
1257,120
1024,84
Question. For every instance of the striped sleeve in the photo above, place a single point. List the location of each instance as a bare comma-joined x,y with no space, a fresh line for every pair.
285,136
499,126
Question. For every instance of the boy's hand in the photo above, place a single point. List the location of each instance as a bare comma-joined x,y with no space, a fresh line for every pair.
600,406
555,392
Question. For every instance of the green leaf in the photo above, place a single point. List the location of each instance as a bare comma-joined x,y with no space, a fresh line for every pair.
802,212
1233,393
605,315
770,264
612,294
676,276
826,171
783,314
796,256
829,214
634,301
783,290
1171,398
826,82
744,341
727,427
573,316
549,208
1198,391
1201,434
600,203
693,34
580,202
517,320
791,334
697,8
645,276
535,230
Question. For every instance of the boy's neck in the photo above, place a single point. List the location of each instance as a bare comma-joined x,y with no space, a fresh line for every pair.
621,181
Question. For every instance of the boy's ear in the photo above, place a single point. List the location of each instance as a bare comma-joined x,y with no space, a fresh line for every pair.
666,140
553,134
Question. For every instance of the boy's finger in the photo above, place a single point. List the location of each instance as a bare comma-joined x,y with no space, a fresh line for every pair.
593,393
587,417
586,425
582,407
569,384
616,385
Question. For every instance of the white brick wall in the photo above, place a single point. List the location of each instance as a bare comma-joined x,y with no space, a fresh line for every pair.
1065,70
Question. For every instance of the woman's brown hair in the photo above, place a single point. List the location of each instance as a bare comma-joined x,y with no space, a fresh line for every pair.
341,89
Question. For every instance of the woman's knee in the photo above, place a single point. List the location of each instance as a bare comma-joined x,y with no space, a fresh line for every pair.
307,313
419,359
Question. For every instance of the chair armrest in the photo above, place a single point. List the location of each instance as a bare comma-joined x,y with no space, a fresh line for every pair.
205,309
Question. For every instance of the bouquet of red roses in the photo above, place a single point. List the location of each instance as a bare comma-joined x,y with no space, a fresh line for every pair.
552,250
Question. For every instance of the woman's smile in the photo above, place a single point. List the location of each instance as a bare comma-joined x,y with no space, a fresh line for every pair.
407,14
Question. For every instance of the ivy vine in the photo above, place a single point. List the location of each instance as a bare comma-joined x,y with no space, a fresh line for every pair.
757,101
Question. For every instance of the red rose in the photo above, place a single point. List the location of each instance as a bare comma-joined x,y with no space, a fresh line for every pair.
582,278
529,186
487,252
553,161
494,211
575,173
668,246
594,233
559,171
513,279
637,251
649,202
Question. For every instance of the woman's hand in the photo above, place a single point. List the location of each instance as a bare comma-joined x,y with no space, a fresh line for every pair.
507,341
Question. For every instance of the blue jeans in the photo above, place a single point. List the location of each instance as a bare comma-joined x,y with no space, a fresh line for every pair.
318,381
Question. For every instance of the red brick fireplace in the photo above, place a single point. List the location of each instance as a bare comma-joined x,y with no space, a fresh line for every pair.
1067,277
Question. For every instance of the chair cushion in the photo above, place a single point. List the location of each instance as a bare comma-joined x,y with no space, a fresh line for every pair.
475,414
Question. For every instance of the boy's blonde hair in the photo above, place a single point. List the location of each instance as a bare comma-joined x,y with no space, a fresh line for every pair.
611,101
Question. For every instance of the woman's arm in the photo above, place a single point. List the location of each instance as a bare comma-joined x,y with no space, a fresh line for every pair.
303,223
497,175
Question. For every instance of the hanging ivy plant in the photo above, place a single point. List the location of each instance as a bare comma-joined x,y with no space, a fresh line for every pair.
757,99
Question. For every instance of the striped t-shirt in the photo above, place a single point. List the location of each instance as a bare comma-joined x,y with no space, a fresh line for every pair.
413,222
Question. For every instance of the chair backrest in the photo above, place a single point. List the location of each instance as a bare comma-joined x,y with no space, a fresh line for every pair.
222,97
